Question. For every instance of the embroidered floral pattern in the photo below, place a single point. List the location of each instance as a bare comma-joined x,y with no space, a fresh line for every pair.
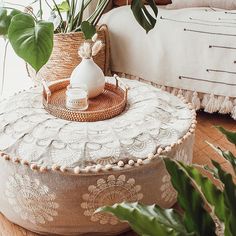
30,199
151,119
108,192
168,194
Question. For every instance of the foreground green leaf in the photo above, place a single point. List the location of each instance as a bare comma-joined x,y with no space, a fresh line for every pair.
32,41
196,218
213,195
231,136
149,220
229,193
142,15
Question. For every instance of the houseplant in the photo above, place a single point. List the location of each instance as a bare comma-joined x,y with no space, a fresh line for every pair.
32,37
207,209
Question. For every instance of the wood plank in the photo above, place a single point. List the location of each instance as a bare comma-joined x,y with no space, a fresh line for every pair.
202,155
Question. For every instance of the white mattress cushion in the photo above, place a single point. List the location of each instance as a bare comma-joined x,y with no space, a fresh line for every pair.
223,4
192,49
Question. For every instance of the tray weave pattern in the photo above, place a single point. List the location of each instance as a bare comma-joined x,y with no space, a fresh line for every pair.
110,103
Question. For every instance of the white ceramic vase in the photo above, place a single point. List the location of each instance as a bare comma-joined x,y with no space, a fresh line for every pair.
90,75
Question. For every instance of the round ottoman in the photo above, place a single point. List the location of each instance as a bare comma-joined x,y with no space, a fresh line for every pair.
55,173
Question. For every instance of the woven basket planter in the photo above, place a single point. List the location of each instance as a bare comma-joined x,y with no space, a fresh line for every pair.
65,56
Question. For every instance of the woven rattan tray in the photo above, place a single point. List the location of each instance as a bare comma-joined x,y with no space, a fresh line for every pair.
109,104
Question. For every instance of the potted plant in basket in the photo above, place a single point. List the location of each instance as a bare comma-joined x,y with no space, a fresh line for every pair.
55,41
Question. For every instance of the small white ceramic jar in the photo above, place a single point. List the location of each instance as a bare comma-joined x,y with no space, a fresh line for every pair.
76,98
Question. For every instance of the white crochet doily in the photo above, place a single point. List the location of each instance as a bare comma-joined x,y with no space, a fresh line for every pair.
152,119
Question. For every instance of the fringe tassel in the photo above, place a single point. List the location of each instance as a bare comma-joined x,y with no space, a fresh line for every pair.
163,88
188,95
233,112
212,105
180,92
226,107
168,89
123,75
196,101
174,91
205,100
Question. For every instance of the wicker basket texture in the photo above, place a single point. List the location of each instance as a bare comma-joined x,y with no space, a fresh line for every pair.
65,56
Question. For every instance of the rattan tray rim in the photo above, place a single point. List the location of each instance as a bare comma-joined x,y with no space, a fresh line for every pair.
118,88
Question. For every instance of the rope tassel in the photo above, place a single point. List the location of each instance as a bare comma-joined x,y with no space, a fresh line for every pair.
205,100
196,101
174,91
226,107
233,112
188,95
212,105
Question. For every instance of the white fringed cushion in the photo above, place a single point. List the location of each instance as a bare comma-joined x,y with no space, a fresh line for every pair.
223,4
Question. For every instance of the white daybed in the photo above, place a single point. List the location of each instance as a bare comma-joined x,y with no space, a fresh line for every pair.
190,51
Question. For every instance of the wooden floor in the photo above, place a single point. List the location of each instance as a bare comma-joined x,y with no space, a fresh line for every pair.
202,155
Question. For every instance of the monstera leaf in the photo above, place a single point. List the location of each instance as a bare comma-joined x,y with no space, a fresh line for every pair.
149,220
31,40
142,15
196,218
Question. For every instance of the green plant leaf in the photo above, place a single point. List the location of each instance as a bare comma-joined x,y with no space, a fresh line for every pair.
14,12
196,218
229,193
149,220
5,21
231,136
142,15
32,41
88,29
213,195
63,6
229,156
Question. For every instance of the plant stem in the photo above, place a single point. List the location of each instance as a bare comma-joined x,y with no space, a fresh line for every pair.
48,5
9,8
40,9
101,12
77,20
72,15
58,10
4,68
